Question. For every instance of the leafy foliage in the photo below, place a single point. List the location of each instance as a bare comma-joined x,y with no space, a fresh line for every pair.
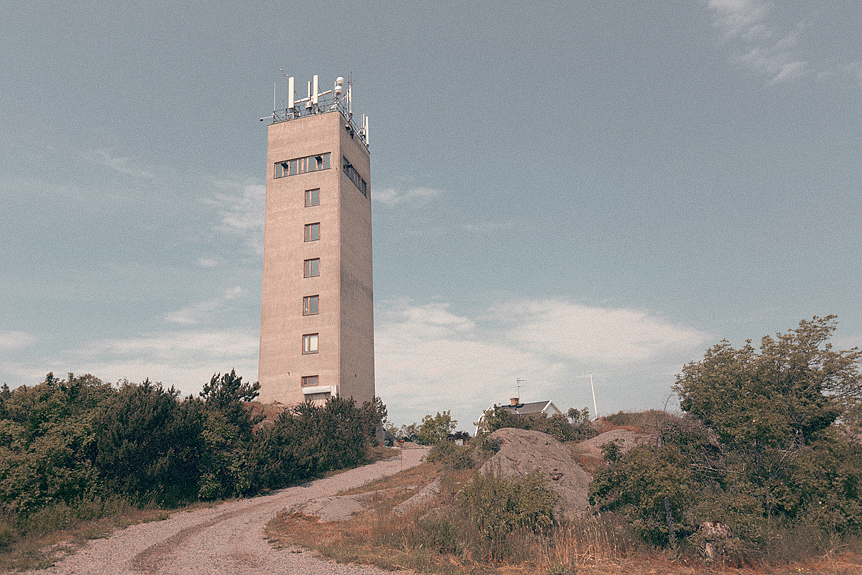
72,444
498,505
435,428
575,427
758,448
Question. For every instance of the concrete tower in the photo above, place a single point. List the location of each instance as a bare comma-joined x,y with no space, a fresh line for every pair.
317,317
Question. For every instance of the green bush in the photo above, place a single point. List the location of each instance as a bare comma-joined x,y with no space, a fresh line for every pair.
451,455
575,427
8,533
435,428
497,506
757,450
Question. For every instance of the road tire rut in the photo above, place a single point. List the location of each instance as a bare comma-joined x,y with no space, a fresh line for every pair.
226,539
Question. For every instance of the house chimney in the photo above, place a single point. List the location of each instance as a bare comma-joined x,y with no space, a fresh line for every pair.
513,401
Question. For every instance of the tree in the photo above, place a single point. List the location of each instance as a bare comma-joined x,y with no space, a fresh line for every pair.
757,448
772,411
779,398
436,428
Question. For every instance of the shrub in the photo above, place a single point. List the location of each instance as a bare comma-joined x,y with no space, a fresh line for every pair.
497,506
451,455
557,426
435,428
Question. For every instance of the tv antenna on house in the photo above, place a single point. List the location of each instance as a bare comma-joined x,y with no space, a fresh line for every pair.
518,383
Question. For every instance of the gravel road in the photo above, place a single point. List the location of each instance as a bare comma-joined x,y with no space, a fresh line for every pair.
227,539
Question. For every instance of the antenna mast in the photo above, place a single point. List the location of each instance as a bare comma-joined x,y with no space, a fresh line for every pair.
595,409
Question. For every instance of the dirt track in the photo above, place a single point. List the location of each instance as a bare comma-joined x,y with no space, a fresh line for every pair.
227,539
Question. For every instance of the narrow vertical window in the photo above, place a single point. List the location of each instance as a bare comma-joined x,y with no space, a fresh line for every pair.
309,380
312,268
310,305
312,198
309,343
312,232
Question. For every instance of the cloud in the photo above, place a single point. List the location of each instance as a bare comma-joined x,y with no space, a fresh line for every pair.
12,340
430,359
208,262
122,165
185,359
394,196
204,311
241,208
764,50
740,18
590,334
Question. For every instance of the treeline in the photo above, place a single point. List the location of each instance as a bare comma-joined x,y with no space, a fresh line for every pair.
68,441
768,446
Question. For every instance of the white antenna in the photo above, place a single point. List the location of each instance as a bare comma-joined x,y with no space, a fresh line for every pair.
518,383
315,93
349,99
365,127
273,97
290,95
595,409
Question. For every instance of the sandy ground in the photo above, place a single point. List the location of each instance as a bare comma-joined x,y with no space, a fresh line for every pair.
227,539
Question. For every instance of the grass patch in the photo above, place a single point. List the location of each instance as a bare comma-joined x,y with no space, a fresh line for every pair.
60,530
445,541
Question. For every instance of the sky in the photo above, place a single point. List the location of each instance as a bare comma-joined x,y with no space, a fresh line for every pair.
558,190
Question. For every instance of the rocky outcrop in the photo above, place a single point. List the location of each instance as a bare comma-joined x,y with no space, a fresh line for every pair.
522,452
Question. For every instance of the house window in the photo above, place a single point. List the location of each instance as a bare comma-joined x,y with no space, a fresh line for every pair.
309,343
309,380
312,232
312,268
312,198
310,305
302,165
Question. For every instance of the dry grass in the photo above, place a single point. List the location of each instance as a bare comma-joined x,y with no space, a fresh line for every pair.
590,546
40,550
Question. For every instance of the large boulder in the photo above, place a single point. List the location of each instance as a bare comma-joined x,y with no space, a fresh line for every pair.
522,452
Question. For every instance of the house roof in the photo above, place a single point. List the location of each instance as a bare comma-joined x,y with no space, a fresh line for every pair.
532,408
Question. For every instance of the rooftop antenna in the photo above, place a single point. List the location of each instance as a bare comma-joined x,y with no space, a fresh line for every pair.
518,383
291,104
282,89
595,409
350,95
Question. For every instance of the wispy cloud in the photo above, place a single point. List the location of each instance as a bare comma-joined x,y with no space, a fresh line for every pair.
12,340
185,359
204,311
396,196
764,48
429,358
241,208
122,165
767,44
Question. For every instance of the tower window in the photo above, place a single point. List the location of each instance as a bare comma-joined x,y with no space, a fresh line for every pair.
312,232
309,380
310,305
309,343
312,268
313,163
312,198
354,176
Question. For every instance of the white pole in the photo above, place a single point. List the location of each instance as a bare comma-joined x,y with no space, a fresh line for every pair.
595,409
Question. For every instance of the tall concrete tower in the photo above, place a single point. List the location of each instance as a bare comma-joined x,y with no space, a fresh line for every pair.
317,317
